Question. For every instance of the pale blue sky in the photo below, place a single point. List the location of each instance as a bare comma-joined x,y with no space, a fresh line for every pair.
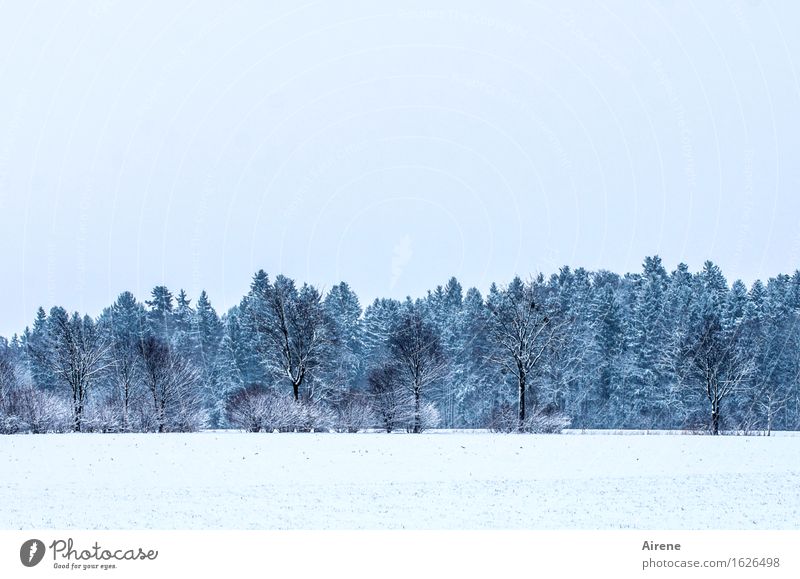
389,144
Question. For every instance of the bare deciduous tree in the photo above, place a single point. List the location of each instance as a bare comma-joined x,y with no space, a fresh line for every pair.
76,353
716,363
417,351
390,400
292,326
520,331
249,408
173,385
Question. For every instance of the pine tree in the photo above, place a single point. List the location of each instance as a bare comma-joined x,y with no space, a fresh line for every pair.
346,370
442,308
599,402
379,318
36,343
125,324
181,327
563,371
237,360
652,397
206,341
160,314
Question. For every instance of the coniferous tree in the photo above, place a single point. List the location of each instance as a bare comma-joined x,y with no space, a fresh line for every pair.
343,310
595,404
652,397
477,376
643,350
125,322
180,333
36,344
206,340
159,316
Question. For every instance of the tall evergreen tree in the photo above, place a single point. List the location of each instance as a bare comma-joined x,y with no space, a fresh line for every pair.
206,341
125,322
346,369
159,316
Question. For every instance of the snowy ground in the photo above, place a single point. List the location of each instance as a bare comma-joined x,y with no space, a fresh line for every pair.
231,480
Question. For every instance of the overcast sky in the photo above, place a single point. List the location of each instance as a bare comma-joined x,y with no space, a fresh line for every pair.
388,144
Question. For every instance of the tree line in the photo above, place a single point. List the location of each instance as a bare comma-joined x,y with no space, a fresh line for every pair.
649,350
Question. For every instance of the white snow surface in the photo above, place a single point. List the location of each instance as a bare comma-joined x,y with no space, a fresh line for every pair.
237,480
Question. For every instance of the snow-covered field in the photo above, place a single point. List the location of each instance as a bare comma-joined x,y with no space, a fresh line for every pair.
232,480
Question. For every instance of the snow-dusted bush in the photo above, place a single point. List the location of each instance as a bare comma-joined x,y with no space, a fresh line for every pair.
539,421
697,422
353,413
36,411
429,417
101,416
143,419
284,414
10,421
281,415
188,416
257,408
11,424
390,402
311,416
503,419
546,422
248,408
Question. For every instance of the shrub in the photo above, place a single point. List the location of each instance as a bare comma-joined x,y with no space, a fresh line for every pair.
539,421
546,422
248,408
256,408
310,416
101,417
28,409
353,413
429,417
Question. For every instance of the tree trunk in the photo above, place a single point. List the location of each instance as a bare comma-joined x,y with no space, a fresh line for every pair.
521,400
715,419
76,412
161,415
769,419
126,404
296,391
417,420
